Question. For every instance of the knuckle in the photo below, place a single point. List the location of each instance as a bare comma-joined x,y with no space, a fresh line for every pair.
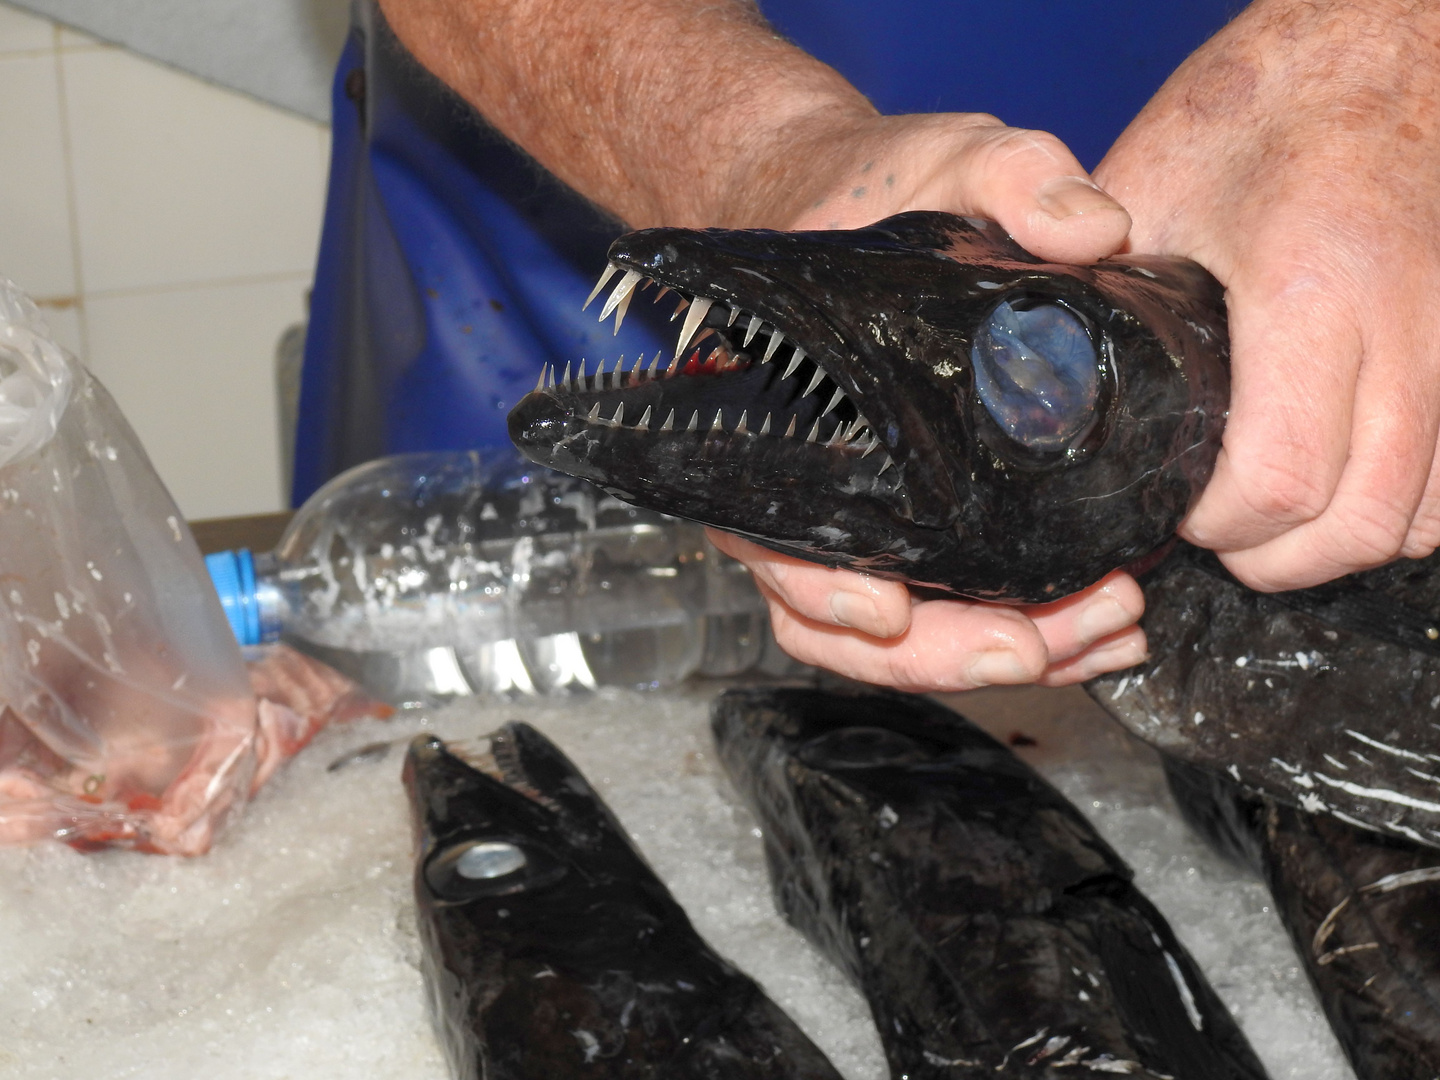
1006,148
1284,489
1370,533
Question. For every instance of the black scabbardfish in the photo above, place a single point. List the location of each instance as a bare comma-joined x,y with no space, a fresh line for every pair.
921,399
1363,910
1327,699
552,951
991,928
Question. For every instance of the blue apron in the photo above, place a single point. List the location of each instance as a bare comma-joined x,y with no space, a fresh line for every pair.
452,266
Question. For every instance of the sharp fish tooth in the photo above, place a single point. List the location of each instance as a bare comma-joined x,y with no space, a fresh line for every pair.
620,311
622,292
594,412
635,372
661,294
813,432
776,337
694,424
888,462
581,377
790,431
765,427
740,428
734,314
874,444
717,425
644,420
566,379
674,364
619,417
794,363
669,424
816,379
835,399
683,305
693,318
751,330
650,371
544,368
610,271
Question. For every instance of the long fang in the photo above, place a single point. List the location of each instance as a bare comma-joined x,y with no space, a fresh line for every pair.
541,384
644,420
693,318
816,379
717,425
790,431
835,399
619,417
581,377
740,428
794,363
681,307
620,311
566,379
650,371
814,431
694,424
669,424
888,462
610,271
765,427
622,292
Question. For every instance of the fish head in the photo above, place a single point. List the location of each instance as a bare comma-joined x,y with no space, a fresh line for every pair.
499,830
921,399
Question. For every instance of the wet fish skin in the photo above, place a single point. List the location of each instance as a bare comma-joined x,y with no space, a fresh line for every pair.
1362,909
578,963
992,930
934,493
1326,699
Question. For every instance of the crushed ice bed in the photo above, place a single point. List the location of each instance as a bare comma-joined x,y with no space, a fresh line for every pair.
290,950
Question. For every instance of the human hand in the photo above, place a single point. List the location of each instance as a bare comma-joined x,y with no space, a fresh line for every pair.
1297,156
870,628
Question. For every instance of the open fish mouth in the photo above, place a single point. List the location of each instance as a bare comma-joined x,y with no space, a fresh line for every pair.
735,376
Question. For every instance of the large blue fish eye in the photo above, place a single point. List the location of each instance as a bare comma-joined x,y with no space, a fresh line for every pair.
1037,373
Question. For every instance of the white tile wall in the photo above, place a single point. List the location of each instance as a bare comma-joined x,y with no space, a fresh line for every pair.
168,230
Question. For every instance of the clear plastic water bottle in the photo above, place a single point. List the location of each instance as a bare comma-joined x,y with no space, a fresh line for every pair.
441,574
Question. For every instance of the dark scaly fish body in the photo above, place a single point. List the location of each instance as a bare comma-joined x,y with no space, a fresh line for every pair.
992,930
921,399
1363,910
1327,699
552,951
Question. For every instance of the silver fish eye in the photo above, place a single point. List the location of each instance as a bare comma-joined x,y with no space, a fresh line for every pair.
1037,373
486,860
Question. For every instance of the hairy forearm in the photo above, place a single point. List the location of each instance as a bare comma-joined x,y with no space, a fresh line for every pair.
674,112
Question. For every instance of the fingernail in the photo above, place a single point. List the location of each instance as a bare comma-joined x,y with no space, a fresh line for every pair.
1101,617
998,666
1128,652
1066,196
856,611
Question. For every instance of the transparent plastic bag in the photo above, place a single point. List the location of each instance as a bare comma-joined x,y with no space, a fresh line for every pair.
127,714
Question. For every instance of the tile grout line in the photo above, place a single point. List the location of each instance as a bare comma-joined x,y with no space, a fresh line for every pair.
278,277
71,207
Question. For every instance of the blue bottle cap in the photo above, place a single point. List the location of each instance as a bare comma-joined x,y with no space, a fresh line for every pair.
233,573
